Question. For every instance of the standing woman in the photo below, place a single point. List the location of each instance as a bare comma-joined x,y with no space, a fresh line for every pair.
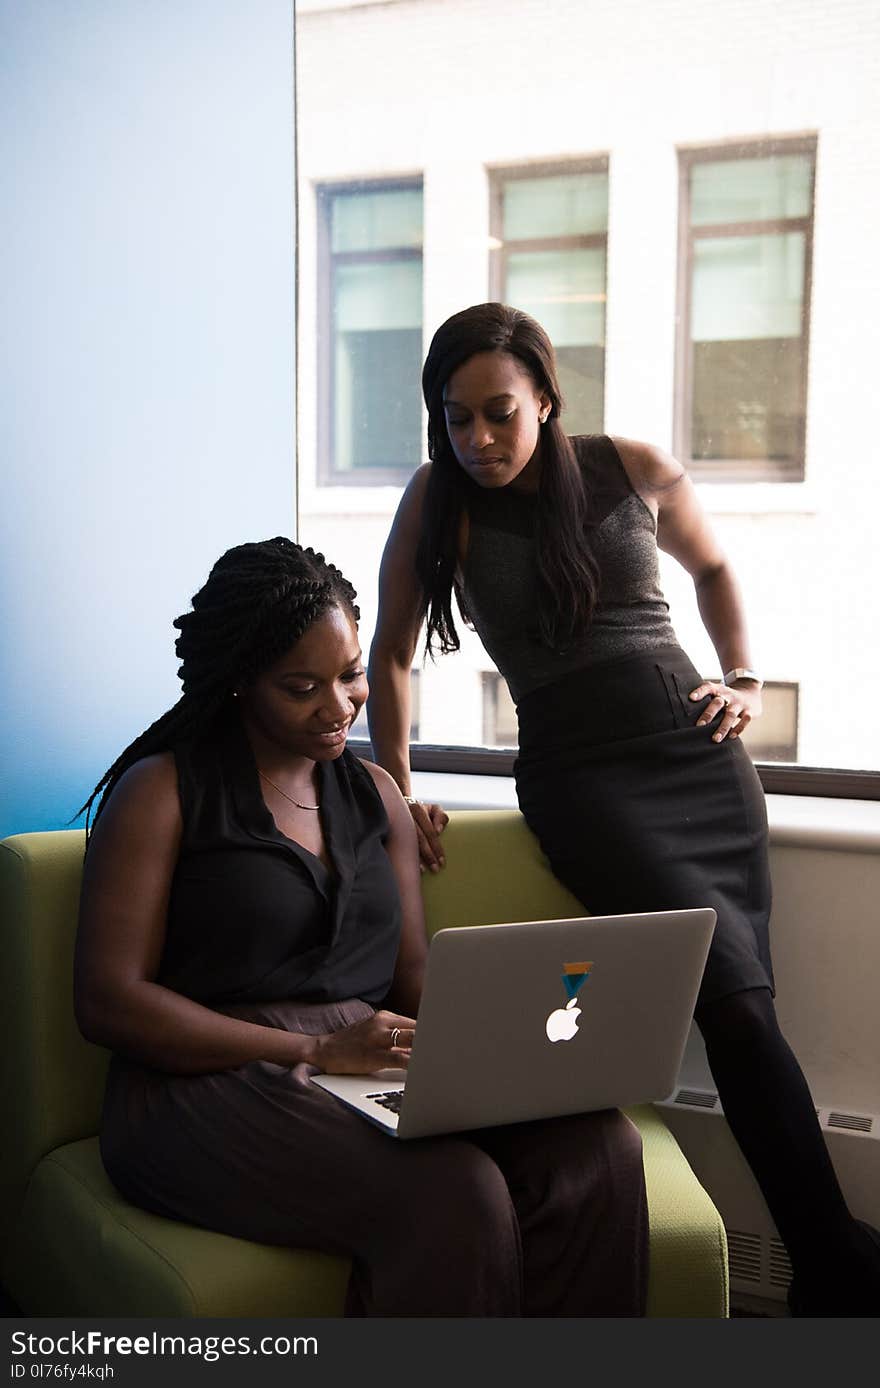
630,769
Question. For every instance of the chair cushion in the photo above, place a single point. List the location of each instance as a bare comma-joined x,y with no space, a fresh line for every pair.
51,1080
80,1249
688,1259
495,872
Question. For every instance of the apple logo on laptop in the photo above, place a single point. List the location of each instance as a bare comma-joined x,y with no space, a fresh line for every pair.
563,1023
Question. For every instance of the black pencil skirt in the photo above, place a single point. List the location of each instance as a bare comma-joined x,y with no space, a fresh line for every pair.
637,809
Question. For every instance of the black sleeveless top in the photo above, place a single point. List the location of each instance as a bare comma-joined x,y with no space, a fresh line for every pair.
500,575
254,916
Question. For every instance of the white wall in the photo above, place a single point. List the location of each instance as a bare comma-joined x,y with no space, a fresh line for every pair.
147,391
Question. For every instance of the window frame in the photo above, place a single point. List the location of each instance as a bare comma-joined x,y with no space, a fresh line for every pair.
736,469
328,475
777,778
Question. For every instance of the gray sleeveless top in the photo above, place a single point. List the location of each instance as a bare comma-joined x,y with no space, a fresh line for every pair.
500,577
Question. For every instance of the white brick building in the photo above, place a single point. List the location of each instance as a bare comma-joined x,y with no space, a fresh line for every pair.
447,91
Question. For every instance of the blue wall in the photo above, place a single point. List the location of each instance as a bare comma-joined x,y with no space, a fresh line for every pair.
147,382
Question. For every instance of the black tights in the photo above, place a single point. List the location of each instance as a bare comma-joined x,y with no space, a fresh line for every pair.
772,1116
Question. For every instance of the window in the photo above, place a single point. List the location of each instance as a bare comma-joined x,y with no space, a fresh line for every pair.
369,331
735,235
499,712
773,737
549,230
360,727
746,229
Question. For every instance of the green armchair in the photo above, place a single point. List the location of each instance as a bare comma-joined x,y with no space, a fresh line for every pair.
70,1245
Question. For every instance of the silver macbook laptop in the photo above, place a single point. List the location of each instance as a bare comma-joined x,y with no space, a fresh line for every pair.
541,1018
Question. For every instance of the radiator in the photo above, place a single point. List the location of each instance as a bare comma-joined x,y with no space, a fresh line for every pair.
759,1265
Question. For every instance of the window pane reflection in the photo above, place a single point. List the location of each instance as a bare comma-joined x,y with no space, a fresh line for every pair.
750,190
742,390
555,205
370,330
552,264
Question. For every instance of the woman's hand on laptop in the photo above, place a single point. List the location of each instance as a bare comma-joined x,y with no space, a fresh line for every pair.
381,1042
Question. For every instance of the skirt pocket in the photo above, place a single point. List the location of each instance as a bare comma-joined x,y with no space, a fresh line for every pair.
688,709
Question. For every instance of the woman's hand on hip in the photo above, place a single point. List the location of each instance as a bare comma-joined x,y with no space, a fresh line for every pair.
430,821
739,704
381,1042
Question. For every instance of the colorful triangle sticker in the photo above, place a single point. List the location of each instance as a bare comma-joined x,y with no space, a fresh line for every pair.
575,976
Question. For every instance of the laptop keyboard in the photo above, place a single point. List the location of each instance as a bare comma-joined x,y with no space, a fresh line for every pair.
390,1099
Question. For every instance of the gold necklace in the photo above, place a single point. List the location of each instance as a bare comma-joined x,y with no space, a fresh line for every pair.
298,803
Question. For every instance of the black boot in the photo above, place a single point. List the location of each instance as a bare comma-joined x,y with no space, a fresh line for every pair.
855,1292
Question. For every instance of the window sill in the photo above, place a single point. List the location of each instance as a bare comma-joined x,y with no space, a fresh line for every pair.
779,779
796,821
758,498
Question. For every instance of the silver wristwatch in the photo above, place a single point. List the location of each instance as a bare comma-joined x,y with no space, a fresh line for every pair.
740,674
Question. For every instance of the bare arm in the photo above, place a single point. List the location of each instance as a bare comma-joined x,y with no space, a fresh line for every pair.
403,850
683,531
123,908
394,643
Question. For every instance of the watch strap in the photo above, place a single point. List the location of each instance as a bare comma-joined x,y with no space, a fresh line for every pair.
740,673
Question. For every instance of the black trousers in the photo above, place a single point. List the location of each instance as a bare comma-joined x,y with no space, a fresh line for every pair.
532,1219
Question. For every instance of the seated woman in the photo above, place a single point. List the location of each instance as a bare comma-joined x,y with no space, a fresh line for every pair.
251,912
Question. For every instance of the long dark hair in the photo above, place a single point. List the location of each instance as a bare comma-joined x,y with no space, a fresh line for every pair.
568,577
259,599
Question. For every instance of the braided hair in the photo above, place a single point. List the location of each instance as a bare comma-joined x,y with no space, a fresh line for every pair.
259,599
